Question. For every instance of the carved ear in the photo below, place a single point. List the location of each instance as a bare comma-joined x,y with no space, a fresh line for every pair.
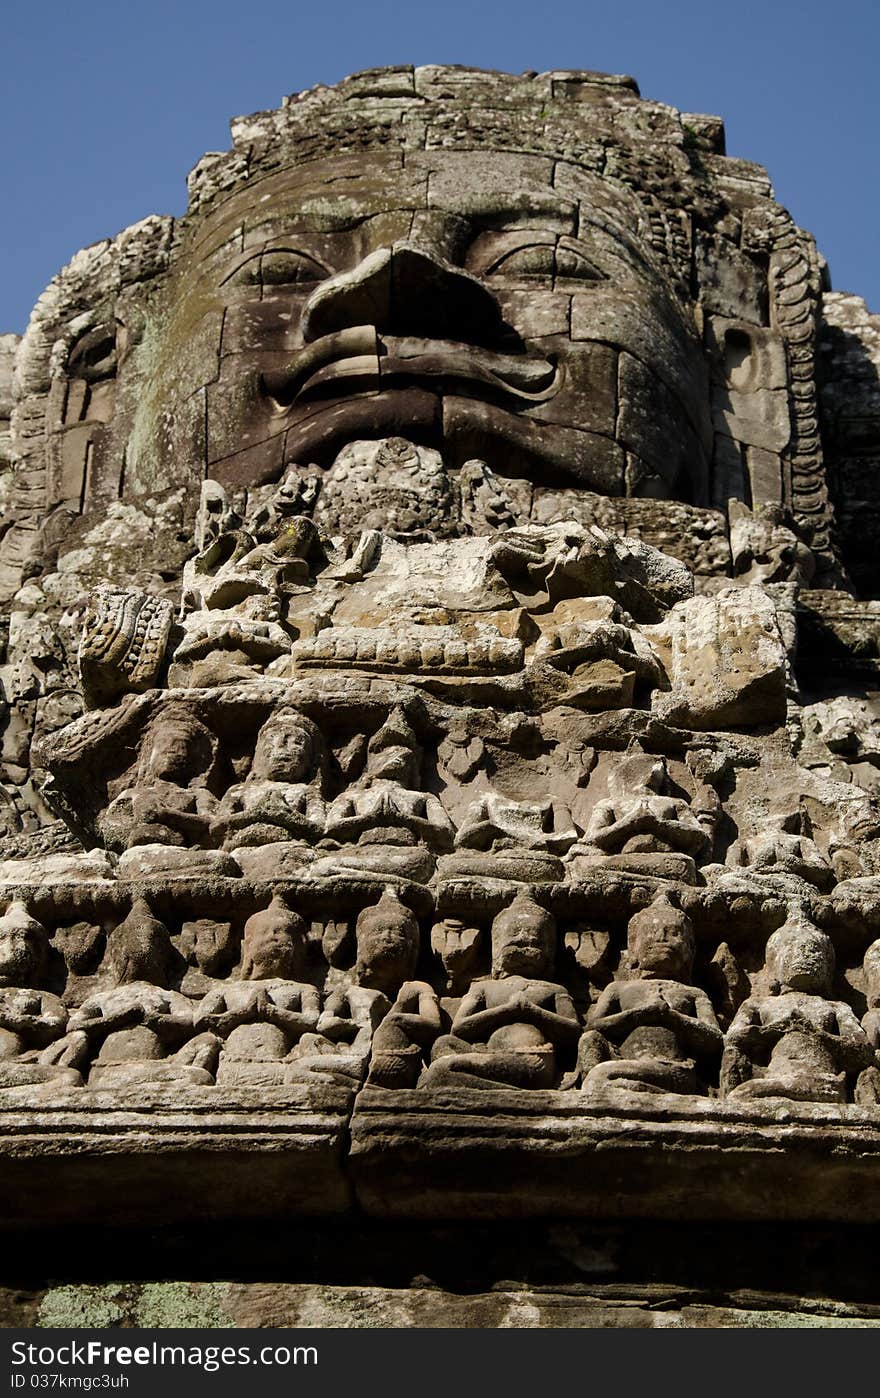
351,757
337,943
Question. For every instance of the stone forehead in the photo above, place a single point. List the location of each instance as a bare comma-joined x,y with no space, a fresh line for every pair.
666,163
290,718
597,121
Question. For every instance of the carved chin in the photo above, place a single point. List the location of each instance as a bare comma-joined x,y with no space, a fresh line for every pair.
461,428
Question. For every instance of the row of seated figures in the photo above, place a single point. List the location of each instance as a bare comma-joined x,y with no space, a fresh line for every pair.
650,1030
281,799
266,1025
385,821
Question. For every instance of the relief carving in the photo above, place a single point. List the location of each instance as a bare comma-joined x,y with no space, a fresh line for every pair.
471,705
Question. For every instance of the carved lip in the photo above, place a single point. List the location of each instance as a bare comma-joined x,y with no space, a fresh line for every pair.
359,360
462,399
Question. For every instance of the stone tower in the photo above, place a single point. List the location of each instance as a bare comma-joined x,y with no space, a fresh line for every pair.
441,748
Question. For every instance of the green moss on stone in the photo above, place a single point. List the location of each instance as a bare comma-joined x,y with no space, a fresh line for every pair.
182,1306
83,1307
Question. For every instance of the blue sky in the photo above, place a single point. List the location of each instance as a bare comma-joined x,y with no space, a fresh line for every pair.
108,105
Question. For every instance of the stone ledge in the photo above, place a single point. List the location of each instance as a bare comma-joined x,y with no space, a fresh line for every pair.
136,1157
84,1156
518,1154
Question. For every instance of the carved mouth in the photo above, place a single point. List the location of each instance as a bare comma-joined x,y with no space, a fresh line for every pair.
462,399
359,360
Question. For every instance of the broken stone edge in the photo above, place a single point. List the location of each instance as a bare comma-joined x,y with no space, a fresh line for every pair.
124,1157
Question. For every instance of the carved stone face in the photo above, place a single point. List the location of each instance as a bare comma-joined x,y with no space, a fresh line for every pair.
393,753
492,310
661,943
177,749
23,947
274,954
286,750
387,945
800,957
274,944
523,941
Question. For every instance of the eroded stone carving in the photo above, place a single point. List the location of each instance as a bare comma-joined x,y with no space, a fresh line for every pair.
795,1041
471,697
515,1028
647,1033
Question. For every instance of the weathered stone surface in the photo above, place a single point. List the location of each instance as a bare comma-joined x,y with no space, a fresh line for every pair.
255,1305
130,1153
440,748
727,661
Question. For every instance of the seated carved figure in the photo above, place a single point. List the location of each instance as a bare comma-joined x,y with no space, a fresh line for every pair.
511,839
514,1028
795,1041
137,1034
280,800
264,1013
520,841
387,937
236,588
169,801
642,826
495,822
647,1033
383,821
783,846
32,1022
868,1086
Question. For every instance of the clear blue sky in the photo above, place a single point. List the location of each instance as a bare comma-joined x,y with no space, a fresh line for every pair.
109,103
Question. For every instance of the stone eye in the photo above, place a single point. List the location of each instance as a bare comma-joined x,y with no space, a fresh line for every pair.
247,275
94,355
545,262
283,267
571,265
532,262
289,268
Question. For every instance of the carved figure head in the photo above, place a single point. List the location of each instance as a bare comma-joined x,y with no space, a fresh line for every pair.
387,945
470,314
273,944
660,942
872,975
636,773
457,943
176,747
800,957
393,751
390,485
288,749
24,947
139,948
523,940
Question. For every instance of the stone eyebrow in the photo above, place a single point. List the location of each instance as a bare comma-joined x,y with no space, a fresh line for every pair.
516,207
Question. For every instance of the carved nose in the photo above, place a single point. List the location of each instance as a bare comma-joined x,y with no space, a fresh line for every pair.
403,290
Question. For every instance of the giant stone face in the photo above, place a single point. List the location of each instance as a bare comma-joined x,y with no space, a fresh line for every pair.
545,273
494,308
